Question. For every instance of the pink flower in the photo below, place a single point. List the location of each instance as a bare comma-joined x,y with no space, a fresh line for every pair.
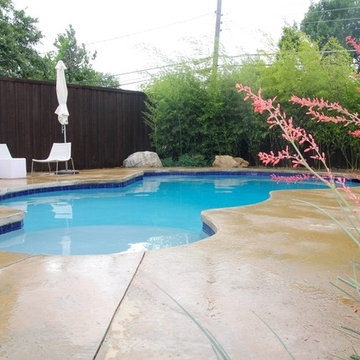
290,179
315,104
291,133
351,41
355,133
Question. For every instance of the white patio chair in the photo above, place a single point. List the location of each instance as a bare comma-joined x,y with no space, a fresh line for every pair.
60,152
4,152
11,167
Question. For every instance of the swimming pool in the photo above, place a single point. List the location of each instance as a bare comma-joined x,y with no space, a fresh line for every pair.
150,213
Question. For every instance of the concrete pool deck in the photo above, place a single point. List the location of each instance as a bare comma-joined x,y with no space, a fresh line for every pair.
274,259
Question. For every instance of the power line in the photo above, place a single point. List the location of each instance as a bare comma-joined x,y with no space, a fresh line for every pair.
336,9
148,79
134,82
148,30
202,60
147,69
331,20
238,65
274,53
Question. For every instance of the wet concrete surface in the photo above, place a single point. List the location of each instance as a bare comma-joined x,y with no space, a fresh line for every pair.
274,259
8,216
59,307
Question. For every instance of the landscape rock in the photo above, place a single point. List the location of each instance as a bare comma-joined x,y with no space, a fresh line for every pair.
224,161
227,161
241,162
143,159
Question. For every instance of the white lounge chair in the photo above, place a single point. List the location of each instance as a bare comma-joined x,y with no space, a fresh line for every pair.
11,167
60,152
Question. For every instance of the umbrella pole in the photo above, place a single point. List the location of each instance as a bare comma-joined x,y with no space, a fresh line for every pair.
64,131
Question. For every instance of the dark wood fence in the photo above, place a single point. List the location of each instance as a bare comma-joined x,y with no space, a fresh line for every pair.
105,125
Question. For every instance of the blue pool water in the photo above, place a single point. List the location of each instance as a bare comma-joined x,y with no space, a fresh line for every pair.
156,212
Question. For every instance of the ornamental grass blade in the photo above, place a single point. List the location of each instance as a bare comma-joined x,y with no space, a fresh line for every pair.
347,333
217,347
355,280
348,233
351,330
345,292
346,208
276,335
340,357
352,283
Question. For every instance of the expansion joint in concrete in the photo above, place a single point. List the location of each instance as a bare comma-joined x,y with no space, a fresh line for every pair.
118,306
17,262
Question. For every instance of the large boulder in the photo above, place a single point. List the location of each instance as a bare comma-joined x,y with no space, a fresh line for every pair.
227,161
224,161
143,159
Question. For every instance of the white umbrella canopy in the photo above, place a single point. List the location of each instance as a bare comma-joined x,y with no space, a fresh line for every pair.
62,94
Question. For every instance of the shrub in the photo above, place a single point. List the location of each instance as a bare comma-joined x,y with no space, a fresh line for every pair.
168,162
187,160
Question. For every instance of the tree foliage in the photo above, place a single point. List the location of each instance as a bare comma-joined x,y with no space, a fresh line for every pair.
332,18
78,61
19,58
305,69
76,57
18,36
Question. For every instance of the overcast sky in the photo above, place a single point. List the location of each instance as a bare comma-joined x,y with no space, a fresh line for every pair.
129,34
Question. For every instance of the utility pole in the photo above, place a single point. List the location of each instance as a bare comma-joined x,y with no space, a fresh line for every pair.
217,36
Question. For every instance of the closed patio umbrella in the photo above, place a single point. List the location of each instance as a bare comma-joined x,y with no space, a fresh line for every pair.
62,110
62,94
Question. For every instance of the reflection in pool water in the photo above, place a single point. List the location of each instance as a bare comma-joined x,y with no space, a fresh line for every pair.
157,212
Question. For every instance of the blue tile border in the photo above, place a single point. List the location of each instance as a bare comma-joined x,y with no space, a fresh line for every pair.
70,187
231,173
217,173
11,227
207,229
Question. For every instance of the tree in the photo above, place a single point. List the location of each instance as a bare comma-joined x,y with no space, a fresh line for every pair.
18,36
332,18
291,38
77,60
